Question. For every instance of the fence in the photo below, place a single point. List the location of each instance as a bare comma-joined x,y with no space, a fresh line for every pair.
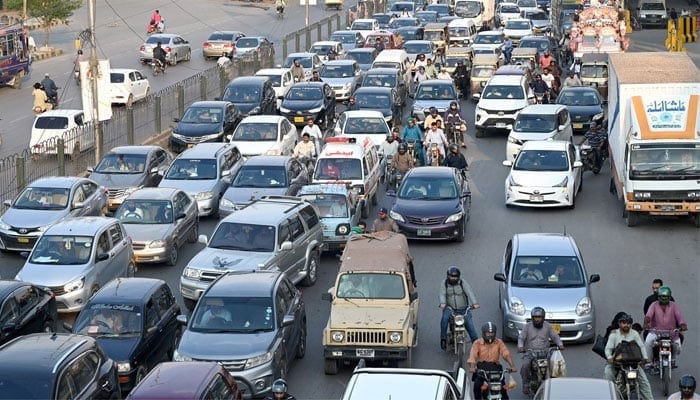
74,151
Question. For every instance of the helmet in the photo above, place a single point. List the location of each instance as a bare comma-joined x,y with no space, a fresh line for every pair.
410,121
687,382
454,148
625,318
279,386
454,271
403,146
664,295
488,332
433,110
537,312
453,104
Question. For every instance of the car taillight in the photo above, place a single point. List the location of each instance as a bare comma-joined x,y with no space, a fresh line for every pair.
228,45
206,44
167,49
142,48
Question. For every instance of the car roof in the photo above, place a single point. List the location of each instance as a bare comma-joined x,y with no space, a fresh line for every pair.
325,42
65,182
585,388
341,62
518,20
7,286
418,41
248,80
140,149
382,70
364,20
437,82
253,283
272,71
490,33
312,84
397,383
561,145
578,89
234,32
361,251
267,160
374,89
204,150
164,35
363,50
535,38
542,109
153,193
37,355
79,226
545,244
266,211
348,32
304,54
504,80
436,172
127,291
175,380
63,112
363,113
210,103
256,119
122,70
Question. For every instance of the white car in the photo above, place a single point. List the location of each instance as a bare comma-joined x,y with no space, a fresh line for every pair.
362,124
517,28
127,86
281,79
265,134
365,26
538,122
546,173
321,49
491,40
67,124
506,11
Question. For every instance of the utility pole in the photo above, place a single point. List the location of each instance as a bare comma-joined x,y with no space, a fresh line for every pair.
24,11
306,18
93,83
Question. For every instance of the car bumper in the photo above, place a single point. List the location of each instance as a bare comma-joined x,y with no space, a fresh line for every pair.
528,196
342,93
144,254
182,143
254,382
494,121
114,203
10,241
580,126
444,231
572,327
208,206
216,52
191,289
127,380
350,352
653,20
299,119
71,302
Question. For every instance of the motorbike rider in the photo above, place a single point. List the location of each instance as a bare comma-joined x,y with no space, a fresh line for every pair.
455,159
443,74
432,117
598,140
664,315
305,148
50,88
655,286
486,353
625,334
537,334
548,78
315,77
412,133
401,162
279,391
298,71
687,386
454,118
430,69
507,49
545,60
379,45
421,75
540,87
435,135
159,54
314,132
41,101
384,223
457,294
461,76
572,80
280,5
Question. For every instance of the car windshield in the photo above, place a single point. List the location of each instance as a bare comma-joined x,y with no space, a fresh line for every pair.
43,198
434,35
305,93
426,17
358,125
540,45
362,26
537,15
452,61
418,47
371,286
382,18
458,31
202,115
517,25
541,160
578,98
660,160
344,38
254,176
379,80
62,250
228,37
192,169
362,57
255,132
247,43
306,62
440,8
402,6
428,188
468,9
503,92
436,92
527,3
321,49
233,315
110,320
488,39
482,71
548,272
535,123
116,77
276,79
114,163
653,6
242,94
594,71
244,237
337,71
510,9
373,100
399,22
328,205
136,211
338,169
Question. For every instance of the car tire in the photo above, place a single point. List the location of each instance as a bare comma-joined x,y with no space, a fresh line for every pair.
478,132
141,373
188,56
189,303
283,368
631,218
172,255
462,230
573,202
130,101
194,233
580,185
330,366
696,220
301,347
173,60
176,342
311,270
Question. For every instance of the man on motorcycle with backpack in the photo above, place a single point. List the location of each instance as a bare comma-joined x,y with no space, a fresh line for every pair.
401,162
537,335
159,54
625,333
487,353
598,140
457,294
539,87
664,315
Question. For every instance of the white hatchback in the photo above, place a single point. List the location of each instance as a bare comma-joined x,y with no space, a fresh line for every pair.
265,134
127,86
538,122
65,124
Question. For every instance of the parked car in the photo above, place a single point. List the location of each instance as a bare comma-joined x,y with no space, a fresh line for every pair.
77,257
159,221
344,77
585,106
265,134
434,93
252,95
254,44
134,322
127,168
363,55
65,124
43,203
187,381
323,48
251,322
309,61
309,100
204,121
127,86
349,39
176,48
281,79
538,122
220,43
386,77
56,366
26,309
383,99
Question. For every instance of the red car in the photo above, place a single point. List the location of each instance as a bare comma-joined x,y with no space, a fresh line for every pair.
187,380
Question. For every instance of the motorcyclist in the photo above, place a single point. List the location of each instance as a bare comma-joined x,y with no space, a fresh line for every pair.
435,135
572,80
507,49
430,69
454,119
384,223
461,76
443,74
314,132
412,133
50,88
41,101
457,294
486,353
421,75
401,162
455,159
545,60
664,315
352,104
598,140
379,45
625,334
279,391
536,335
655,286
280,5
432,117
298,71
687,386
306,147
540,87
389,146
159,54
315,77
549,79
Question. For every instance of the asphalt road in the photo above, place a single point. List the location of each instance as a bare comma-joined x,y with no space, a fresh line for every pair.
627,259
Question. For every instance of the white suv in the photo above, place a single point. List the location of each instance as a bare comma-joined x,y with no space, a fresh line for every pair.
538,122
502,98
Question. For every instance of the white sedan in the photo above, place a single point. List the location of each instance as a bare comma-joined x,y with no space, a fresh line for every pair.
517,28
265,134
127,86
544,174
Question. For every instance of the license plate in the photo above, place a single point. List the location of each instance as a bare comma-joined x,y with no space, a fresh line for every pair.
298,119
556,327
218,46
536,199
423,232
22,240
500,125
578,126
668,208
364,353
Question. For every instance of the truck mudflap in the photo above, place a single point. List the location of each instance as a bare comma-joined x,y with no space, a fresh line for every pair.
664,208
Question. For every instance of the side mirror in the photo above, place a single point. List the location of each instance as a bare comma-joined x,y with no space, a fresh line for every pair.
180,216
7,203
226,172
151,330
229,137
78,205
499,276
288,320
217,98
507,163
412,95
476,96
176,119
578,164
102,257
90,169
68,327
203,239
109,214
327,296
182,318
337,130
286,245
594,278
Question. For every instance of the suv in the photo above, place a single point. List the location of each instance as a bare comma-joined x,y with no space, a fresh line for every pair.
251,322
187,380
500,101
204,172
275,232
374,303
538,122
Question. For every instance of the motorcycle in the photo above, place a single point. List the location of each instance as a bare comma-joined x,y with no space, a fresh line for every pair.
457,334
454,132
663,357
158,67
539,367
434,156
626,379
493,382
588,157
156,28
541,98
412,150
387,168
310,163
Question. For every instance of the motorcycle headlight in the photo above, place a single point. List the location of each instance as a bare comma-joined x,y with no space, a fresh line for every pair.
512,182
75,285
459,320
454,217
395,337
315,110
396,216
123,366
631,374
204,196
157,244
583,307
337,336
4,226
177,356
496,387
191,273
563,183
259,360
516,306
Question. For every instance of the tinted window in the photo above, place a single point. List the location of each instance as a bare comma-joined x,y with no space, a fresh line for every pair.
233,314
310,217
246,237
437,188
371,286
541,160
202,115
192,169
38,198
115,231
295,227
219,389
305,93
362,57
26,297
415,48
541,271
116,78
535,123
260,177
9,311
221,36
103,319
247,42
51,123
256,132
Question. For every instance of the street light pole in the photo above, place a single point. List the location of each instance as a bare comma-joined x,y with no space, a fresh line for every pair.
24,11
93,83
306,18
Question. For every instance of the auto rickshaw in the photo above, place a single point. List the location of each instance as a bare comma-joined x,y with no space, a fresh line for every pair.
337,4
437,33
525,56
594,72
483,67
456,54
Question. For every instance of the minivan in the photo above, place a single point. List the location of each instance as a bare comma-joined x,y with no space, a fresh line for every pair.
500,101
538,122
252,95
395,58
462,31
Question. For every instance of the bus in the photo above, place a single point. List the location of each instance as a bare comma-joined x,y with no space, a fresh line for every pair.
14,55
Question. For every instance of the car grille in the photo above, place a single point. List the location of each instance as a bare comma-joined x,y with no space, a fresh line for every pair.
232,365
366,337
669,195
210,276
425,221
23,231
116,193
558,321
193,139
539,194
138,246
11,242
57,290
61,305
494,121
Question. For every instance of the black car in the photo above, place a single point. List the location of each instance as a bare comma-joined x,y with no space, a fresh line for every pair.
382,99
383,19
410,32
204,121
252,95
541,43
56,366
134,320
432,203
389,78
584,105
25,309
306,100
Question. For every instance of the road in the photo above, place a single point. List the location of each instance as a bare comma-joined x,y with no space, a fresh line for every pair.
627,259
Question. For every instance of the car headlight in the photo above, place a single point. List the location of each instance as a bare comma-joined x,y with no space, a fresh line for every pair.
598,116
514,140
255,110
129,191
395,337
454,217
516,306
191,273
396,216
563,183
73,286
583,307
285,110
178,136
512,182
337,336
315,110
227,203
123,367
157,244
177,356
343,229
42,228
259,360
204,195
4,226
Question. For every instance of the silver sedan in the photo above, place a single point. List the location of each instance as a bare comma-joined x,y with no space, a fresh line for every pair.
176,48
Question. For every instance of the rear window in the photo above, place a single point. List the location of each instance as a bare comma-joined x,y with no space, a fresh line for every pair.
51,123
247,42
221,36
361,57
116,78
156,39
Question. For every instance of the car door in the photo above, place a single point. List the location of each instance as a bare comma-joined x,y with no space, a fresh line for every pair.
183,204
32,315
505,269
290,138
141,84
93,199
286,257
120,254
577,172
299,242
9,315
77,200
165,335
78,379
286,333
230,117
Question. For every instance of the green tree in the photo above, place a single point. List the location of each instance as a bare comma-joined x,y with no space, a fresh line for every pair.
47,11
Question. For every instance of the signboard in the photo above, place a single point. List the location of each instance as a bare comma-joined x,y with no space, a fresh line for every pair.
667,113
303,2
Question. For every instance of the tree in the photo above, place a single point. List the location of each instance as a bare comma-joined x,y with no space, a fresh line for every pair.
47,11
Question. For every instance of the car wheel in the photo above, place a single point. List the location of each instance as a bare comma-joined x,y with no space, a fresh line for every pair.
194,233
95,289
330,366
631,218
312,270
301,347
462,229
282,373
696,220
49,327
188,56
173,255
130,270
189,303
176,342
148,93
173,60
140,374
478,132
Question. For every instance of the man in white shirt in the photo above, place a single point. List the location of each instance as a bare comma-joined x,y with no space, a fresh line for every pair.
547,77
572,80
314,133
444,75
435,135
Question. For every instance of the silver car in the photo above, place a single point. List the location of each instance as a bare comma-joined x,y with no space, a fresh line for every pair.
546,270
159,221
344,76
45,202
176,48
77,257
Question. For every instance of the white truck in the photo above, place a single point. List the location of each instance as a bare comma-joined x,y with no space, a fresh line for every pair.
479,11
654,134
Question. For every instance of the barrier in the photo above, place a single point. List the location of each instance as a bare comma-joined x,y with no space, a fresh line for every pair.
292,43
687,27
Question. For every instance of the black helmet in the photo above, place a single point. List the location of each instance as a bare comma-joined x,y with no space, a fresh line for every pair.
159,43
403,146
454,148
453,104
279,386
488,332
687,382
624,318
433,110
454,271
537,312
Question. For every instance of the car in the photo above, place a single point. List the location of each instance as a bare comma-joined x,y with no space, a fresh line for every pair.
540,20
202,122
383,19
567,301
404,22
140,312
388,78
538,122
176,48
252,95
426,17
415,47
259,236
127,86
365,26
251,322
541,43
562,387
204,172
516,28
434,93
400,6
127,168
265,134
527,5
383,99
339,210
254,44
26,309
364,124
220,43
159,221
411,32
67,124
264,176
443,9
43,203
344,77
68,367
546,173
585,106
309,61
506,11
385,37
349,39
77,257
501,99
432,203
186,381
281,79
488,40
309,100
446,19
323,48
364,56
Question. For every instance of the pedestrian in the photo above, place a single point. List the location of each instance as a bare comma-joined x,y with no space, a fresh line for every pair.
31,47
673,14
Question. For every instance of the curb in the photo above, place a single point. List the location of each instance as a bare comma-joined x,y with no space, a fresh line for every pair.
54,52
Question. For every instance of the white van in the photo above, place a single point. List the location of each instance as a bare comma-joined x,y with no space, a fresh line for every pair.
395,58
52,125
471,10
499,102
462,31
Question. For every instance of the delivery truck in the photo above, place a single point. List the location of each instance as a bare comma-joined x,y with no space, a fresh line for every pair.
654,135
478,11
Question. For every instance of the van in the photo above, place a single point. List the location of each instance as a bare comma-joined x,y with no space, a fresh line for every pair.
357,164
437,33
502,98
594,72
395,58
461,31
252,95
60,124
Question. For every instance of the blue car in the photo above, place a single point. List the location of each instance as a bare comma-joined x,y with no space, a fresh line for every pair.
338,208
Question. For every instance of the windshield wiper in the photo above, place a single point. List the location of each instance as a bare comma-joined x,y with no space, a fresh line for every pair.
689,168
227,247
264,249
